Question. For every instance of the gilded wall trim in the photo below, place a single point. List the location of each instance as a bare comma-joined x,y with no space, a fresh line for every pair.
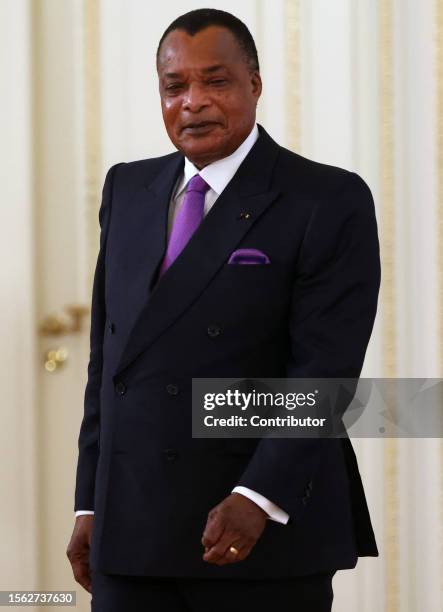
388,292
92,127
293,72
439,163
439,146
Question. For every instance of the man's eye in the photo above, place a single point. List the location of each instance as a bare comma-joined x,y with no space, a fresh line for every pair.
218,81
176,86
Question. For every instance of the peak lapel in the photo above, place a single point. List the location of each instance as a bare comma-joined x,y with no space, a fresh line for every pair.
208,249
153,217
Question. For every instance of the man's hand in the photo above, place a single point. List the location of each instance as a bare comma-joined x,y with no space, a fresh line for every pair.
236,521
78,549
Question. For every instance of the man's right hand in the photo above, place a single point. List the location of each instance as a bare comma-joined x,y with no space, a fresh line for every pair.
78,549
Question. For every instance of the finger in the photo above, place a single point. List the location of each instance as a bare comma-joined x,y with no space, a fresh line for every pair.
234,556
243,547
85,583
82,575
213,532
229,557
218,550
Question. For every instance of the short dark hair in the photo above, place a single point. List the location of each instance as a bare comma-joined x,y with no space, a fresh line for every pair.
199,19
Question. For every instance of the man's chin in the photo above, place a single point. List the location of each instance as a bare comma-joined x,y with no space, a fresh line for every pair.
201,150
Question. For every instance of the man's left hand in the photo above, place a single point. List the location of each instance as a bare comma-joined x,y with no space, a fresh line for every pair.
236,521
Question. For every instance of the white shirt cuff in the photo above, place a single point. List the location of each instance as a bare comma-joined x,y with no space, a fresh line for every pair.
275,513
80,512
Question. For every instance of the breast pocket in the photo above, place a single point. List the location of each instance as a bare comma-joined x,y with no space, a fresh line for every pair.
251,293
256,270
257,279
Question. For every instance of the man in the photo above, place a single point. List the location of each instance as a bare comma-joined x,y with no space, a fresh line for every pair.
178,523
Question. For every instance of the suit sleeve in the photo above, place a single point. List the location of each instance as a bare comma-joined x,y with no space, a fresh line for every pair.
333,307
88,440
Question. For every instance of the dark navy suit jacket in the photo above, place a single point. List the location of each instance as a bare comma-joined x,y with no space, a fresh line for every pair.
309,313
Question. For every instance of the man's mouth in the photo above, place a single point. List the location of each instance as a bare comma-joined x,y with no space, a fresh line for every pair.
198,127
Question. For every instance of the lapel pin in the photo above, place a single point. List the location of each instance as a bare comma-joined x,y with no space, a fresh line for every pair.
245,215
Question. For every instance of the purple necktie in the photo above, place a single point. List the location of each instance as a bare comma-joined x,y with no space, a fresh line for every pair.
186,221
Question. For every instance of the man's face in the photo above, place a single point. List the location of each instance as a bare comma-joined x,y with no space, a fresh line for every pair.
208,95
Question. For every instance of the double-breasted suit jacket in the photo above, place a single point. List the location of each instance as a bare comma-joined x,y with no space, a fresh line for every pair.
307,313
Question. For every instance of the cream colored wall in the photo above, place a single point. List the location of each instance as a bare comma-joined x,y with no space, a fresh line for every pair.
18,462
350,83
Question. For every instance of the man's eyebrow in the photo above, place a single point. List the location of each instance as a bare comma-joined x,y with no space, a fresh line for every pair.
208,70
214,68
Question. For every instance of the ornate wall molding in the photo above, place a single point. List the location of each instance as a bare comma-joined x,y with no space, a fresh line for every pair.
388,292
92,127
293,72
439,182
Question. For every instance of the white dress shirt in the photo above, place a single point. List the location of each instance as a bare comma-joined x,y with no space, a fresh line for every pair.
217,175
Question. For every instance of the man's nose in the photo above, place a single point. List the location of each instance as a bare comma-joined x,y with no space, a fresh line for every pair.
195,97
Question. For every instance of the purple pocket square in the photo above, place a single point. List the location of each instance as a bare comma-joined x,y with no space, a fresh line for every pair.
249,256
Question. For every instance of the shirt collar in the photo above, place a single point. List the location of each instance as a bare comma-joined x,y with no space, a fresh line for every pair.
219,173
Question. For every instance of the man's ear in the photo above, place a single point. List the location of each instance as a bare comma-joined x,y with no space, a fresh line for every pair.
257,83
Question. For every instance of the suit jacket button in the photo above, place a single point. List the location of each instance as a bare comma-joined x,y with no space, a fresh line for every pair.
214,331
170,454
172,389
111,327
120,388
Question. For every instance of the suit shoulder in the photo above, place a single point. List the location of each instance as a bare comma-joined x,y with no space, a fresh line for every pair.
143,169
317,179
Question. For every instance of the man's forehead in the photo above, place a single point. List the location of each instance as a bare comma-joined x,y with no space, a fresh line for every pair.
173,71
209,47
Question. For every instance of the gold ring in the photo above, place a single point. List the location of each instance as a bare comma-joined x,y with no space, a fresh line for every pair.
233,550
